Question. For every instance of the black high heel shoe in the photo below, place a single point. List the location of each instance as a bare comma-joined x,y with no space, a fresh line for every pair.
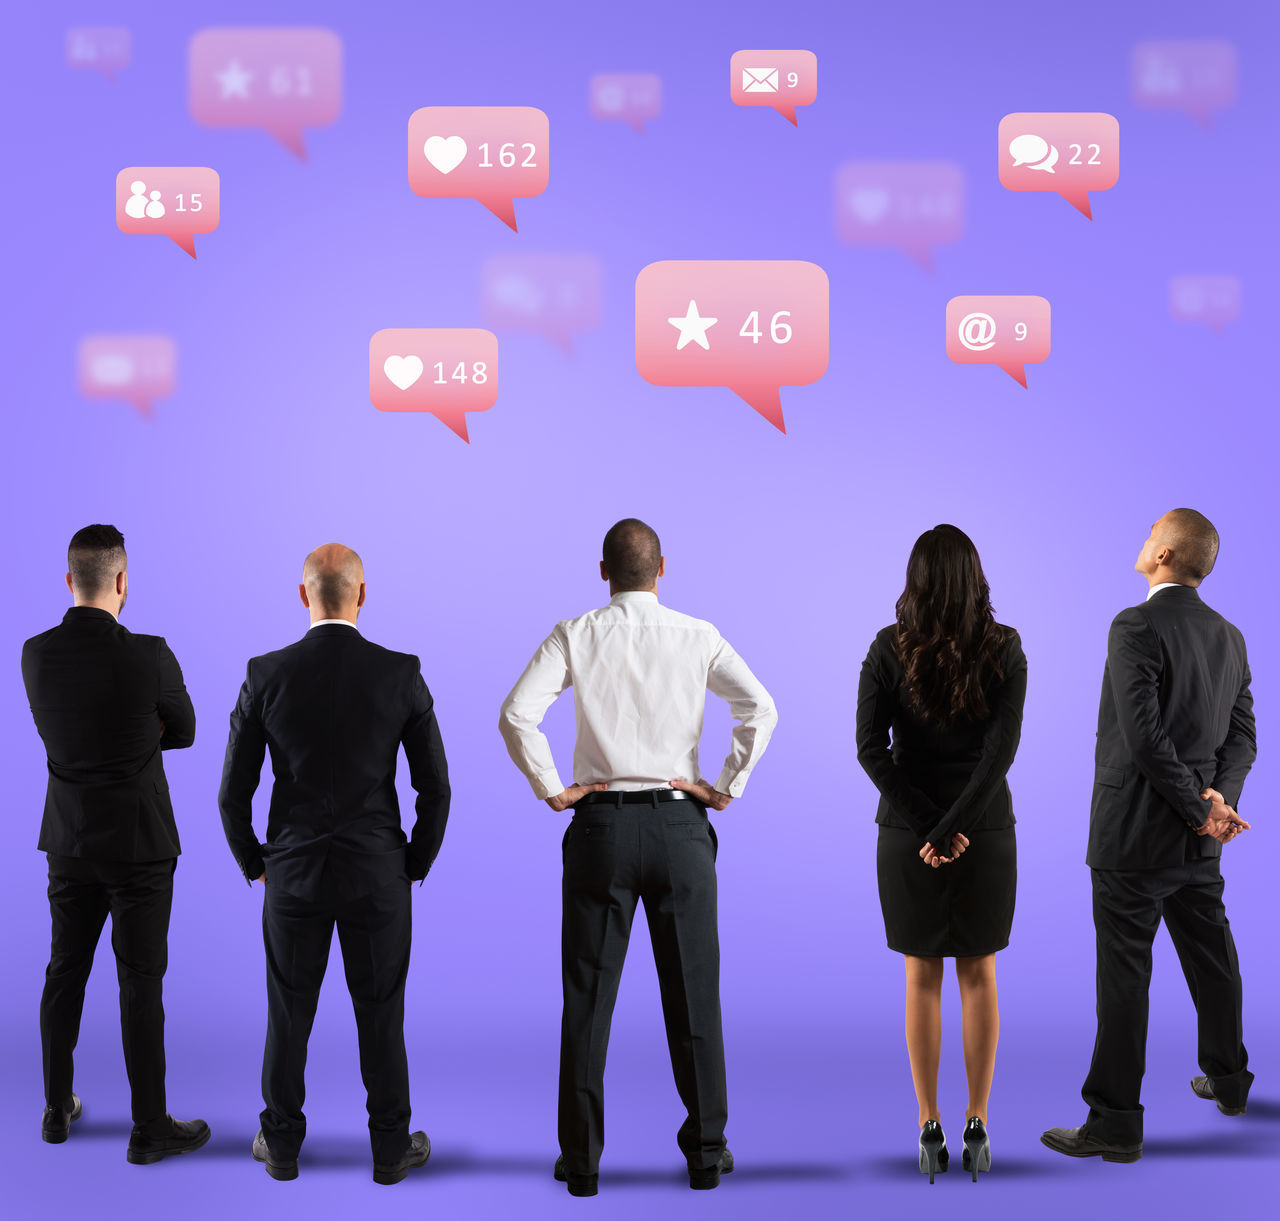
977,1147
934,1158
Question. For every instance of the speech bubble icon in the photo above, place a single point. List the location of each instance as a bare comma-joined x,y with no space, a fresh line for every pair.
493,154
280,80
104,49
1211,300
1194,76
137,369
781,79
752,325
555,295
634,98
444,371
912,205
1066,152
176,201
1007,331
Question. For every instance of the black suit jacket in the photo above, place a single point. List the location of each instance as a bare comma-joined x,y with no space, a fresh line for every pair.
936,781
334,710
1176,717
106,702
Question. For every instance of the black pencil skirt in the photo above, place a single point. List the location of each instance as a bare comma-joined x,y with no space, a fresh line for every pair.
959,910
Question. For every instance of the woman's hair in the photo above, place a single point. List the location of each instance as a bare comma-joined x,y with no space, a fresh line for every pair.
949,642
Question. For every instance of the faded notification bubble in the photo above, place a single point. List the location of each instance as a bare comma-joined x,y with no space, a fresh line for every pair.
105,49
634,98
558,296
915,206
781,79
1066,152
441,370
1211,300
280,80
1007,331
493,154
137,369
1194,76
174,201
751,325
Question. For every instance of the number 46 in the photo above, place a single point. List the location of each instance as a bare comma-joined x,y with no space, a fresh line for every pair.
779,331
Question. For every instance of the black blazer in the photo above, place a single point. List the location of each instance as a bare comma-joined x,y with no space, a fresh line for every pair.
936,781
334,710
106,702
1176,717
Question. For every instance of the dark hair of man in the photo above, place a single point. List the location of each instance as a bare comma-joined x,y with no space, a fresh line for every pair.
94,557
948,639
1195,545
632,555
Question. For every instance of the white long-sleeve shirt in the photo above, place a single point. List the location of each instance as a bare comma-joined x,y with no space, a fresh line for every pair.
640,674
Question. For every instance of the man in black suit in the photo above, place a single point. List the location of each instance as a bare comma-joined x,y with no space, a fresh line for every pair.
106,702
1175,742
334,709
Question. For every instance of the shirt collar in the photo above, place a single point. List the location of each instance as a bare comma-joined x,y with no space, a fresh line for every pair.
75,612
326,622
633,595
1155,589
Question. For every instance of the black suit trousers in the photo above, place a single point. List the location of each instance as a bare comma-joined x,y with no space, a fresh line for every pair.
374,932
1127,909
138,898
615,856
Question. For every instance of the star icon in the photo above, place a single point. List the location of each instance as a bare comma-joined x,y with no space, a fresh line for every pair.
693,328
234,80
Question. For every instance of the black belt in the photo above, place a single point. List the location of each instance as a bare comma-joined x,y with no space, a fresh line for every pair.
645,796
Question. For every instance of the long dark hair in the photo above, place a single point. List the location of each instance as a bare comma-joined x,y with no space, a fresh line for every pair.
949,642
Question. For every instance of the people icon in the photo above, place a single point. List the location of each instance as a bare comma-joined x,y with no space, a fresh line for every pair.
139,205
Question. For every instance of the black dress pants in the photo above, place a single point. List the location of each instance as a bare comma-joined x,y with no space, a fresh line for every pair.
138,898
1127,908
374,932
614,856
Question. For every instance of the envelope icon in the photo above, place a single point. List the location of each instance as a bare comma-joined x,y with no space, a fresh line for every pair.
759,80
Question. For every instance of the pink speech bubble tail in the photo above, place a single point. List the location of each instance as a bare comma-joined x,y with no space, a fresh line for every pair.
504,210
922,256
1016,371
187,241
562,341
788,113
455,420
292,138
767,400
1078,199
146,407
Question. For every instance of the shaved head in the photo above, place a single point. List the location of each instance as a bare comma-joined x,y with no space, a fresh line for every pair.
1194,542
632,555
332,577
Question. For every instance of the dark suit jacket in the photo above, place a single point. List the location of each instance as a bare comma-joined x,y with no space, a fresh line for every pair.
1176,717
334,710
106,702
936,781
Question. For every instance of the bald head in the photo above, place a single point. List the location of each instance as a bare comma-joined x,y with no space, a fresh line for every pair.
632,556
333,582
1194,542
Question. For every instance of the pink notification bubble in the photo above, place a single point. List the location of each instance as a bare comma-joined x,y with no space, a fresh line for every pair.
445,371
176,201
1007,331
1196,76
1067,152
1212,300
281,80
752,325
556,295
913,205
493,154
633,97
104,49
137,369
781,79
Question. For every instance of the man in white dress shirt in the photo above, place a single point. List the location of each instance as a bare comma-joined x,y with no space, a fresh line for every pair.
640,674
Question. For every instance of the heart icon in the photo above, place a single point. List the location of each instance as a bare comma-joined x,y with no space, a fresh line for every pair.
402,371
445,152
869,204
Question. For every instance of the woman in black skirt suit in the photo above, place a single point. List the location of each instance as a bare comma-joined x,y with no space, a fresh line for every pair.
939,717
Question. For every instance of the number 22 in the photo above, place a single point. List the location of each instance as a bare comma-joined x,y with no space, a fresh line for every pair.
1096,159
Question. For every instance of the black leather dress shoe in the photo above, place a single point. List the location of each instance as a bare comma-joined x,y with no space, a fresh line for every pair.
57,1121
277,1168
578,1184
419,1151
706,1179
1202,1086
170,1136
1076,1142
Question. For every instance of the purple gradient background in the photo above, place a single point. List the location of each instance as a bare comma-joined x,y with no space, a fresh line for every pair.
794,546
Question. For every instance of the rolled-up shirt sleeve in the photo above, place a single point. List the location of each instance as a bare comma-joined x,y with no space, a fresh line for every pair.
729,677
544,679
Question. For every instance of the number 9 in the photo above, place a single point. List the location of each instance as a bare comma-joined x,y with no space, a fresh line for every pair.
1020,330
793,79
